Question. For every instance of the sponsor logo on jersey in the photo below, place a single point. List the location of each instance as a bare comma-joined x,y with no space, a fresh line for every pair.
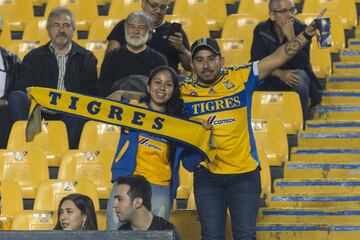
145,142
213,121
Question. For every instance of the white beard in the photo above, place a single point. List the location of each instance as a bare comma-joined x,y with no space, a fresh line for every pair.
136,41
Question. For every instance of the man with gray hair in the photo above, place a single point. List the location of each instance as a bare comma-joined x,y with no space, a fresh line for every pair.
60,64
9,68
133,58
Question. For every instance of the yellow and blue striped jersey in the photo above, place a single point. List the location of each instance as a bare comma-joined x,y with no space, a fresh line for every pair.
226,104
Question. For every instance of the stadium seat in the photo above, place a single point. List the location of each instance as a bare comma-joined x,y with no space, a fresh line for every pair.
241,26
11,198
101,219
5,223
35,30
5,37
195,26
236,57
98,48
52,140
265,177
92,166
85,11
191,204
345,9
22,48
186,183
337,29
17,12
284,106
100,28
34,220
188,226
28,168
320,59
213,10
52,191
96,136
122,8
254,7
270,136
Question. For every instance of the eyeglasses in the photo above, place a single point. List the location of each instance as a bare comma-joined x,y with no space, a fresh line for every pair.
155,6
292,10
57,26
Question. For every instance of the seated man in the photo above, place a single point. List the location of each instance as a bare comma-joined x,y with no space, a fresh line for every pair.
133,58
175,47
60,64
9,68
133,205
282,27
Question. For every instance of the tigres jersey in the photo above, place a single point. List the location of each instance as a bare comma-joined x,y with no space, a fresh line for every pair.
152,158
226,104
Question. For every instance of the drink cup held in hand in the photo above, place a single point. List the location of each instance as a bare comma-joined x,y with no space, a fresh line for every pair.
323,25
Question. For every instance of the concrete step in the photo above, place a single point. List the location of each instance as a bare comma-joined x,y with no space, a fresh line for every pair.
317,185
329,138
340,97
290,232
332,124
346,68
343,112
350,55
337,81
322,169
325,154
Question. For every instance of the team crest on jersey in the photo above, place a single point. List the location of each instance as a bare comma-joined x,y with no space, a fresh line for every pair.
229,84
211,91
193,93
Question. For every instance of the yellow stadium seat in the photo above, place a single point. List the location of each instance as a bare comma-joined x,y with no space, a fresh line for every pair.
284,106
35,30
337,30
186,183
101,219
213,10
28,168
85,11
98,48
254,7
52,191
345,9
100,28
187,223
241,26
122,8
21,48
34,220
92,166
236,57
195,26
17,12
11,198
270,136
320,59
5,223
52,140
5,37
265,176
191,204
96,136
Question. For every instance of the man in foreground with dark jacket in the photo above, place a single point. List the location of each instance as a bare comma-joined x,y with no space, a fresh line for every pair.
60,64
9,68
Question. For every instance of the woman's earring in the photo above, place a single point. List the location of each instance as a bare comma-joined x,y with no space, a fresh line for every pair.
83,224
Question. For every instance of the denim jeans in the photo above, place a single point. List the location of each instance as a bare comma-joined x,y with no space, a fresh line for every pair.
303,89
160,205
215,193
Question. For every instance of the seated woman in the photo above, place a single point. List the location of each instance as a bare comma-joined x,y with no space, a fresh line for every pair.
76,212
150,155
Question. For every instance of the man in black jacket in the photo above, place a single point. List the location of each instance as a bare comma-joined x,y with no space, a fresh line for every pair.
282,27
9,68
61,64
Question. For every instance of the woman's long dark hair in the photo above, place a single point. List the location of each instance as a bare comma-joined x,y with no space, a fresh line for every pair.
175,104
86,206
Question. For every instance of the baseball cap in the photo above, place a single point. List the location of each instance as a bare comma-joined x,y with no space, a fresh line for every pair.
205,42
